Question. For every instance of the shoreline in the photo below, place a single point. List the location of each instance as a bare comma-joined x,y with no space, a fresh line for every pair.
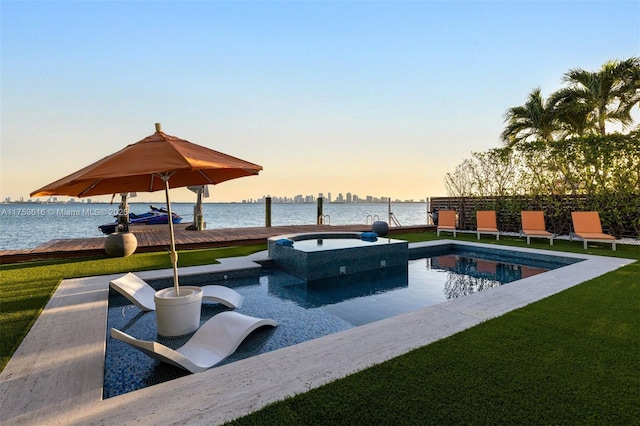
216,238
158,240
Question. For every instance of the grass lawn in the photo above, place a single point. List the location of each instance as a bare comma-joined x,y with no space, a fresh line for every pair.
573,358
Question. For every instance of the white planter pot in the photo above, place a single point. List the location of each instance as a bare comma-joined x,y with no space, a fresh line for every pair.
178,315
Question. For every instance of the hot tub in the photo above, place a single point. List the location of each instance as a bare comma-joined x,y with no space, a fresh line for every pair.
316,256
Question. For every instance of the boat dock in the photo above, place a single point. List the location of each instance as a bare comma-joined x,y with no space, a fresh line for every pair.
150,240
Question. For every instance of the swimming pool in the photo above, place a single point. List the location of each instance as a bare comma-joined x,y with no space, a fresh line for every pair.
308,311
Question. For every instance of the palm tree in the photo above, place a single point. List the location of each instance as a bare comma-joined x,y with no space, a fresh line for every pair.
535,120
573,116
595,98
631,82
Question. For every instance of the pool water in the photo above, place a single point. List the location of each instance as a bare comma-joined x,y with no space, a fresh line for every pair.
377,295
308,310
322,244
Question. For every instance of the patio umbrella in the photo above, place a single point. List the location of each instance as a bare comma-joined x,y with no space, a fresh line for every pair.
157,162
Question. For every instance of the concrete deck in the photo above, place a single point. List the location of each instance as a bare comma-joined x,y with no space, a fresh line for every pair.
55,376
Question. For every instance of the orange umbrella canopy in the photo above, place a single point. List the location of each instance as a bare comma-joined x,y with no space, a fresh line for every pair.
138,168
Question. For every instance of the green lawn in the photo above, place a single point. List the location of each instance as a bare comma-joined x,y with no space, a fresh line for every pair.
573,358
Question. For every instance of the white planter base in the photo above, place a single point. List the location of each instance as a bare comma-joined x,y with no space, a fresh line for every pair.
178,315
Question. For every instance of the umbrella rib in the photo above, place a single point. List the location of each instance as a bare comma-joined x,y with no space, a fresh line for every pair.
89,188
206,177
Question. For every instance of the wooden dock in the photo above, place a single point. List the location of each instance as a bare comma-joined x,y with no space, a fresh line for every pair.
158,240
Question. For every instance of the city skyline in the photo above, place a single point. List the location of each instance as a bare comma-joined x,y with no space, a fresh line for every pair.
347,197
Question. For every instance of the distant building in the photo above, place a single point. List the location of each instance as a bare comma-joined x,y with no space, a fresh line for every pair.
299,198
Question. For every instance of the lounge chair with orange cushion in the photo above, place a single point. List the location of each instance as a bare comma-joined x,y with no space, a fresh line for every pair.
533,226
487,223
587,227
446,222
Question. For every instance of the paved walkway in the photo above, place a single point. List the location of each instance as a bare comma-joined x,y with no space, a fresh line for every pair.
55,376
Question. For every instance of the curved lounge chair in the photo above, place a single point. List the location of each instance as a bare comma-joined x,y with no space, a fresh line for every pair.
215,340
446,222
142,294
487,223
533,226
587,227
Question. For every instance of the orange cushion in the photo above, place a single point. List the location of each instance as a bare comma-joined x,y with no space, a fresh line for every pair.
446,218
533,220
594,236
586,222
536,232
486,220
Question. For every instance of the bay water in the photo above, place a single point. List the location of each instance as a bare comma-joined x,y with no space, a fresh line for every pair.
28,225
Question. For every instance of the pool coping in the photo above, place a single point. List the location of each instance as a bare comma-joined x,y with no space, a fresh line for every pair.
56,375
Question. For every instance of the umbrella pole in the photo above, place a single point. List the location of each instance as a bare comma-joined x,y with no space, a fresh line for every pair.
173,254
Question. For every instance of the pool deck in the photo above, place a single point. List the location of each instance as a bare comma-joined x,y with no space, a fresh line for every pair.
55,377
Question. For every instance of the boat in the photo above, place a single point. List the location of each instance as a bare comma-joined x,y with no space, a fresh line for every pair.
155,216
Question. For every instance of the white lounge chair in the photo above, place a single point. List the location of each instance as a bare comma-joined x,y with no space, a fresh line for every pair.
215,340
142,294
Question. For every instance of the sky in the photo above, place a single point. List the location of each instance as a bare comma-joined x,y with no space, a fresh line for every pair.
378,98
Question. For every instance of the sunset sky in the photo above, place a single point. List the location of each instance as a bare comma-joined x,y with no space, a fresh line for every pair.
373,98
